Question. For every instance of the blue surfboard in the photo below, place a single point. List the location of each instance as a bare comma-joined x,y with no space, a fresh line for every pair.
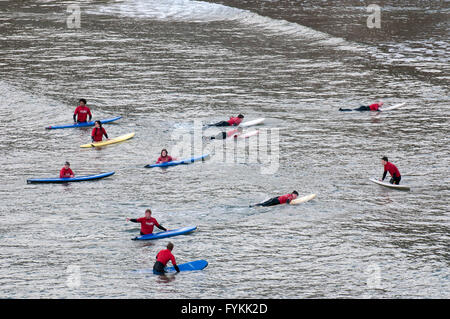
85,124
193,265
184,161
169,233
68,180
189,266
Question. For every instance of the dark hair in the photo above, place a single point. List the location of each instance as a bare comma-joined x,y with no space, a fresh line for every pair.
295,192
241,116
82,100
384,158
99,122
67,163
169,246
167,153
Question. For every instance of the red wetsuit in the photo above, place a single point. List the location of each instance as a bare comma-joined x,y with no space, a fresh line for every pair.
234,121
374,107
283,199
392,169
164,256
82,112
65,173
147,225
164,159
97,134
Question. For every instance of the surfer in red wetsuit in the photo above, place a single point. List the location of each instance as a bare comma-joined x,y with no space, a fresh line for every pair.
97,132
162,258
66,172
371,107
279,200
81,112
165,157
147,223
233,121
393,171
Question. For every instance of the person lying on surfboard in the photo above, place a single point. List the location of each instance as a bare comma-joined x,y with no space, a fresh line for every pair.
162,258
393,171
224,135
97,132
66,172
81,112
371,107
279,200
165,157
233,121
147,223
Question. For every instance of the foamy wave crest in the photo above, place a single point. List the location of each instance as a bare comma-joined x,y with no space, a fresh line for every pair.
204,12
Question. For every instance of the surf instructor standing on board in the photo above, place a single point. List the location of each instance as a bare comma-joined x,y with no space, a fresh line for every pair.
392,169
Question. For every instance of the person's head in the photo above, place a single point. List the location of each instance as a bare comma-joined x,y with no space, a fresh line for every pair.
240,116
66,164
170,246
295,193
98,123
384,160
380,103
148,213
164,152
82,102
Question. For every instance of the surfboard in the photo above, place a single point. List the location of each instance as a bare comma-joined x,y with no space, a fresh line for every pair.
389,185
67,180
247,135
189,266
251,123
110,141
393,107
86,124
184,161
302,199
165,234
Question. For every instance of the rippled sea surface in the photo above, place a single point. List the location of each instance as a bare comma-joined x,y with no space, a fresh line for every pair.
169,66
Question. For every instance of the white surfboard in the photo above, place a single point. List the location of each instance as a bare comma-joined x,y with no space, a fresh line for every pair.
248,134
251,123
393,107
302,199
394,186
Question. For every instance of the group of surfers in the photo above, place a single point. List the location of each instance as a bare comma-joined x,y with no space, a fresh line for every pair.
148,222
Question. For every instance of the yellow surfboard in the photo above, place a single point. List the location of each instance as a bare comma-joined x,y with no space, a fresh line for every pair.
110,141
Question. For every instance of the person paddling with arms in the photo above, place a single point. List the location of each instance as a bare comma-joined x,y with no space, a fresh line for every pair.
147,223
393,171
285,199
66,172
233,121
372,107
81,113
162,258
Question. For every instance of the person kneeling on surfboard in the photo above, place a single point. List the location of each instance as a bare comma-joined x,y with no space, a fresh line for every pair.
66,172
371,107
97,132
82,111
162,258
392,169
147,223
233,121
164,157
279,200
